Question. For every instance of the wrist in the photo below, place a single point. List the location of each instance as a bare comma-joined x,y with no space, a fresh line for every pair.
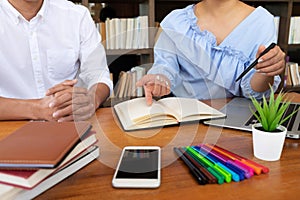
261,82
99,93
35,109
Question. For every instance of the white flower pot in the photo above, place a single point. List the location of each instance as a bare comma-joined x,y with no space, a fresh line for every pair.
268,145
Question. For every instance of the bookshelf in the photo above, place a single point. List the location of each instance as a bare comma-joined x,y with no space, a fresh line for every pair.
130,9
158,9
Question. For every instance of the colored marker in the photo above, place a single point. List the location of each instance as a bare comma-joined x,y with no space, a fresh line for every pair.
235,176
248,171
227,176
256,167
208,176
195,172
225,162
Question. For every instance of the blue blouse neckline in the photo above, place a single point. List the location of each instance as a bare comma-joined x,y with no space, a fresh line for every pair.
212,38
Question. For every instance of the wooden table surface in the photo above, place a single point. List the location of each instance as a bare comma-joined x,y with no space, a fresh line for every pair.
94,180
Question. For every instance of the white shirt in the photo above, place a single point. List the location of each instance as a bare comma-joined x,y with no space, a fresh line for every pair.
60,43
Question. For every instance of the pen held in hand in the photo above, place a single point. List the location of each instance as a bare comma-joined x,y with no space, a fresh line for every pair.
271,46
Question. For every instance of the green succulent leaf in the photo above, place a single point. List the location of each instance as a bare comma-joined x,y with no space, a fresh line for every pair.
269,112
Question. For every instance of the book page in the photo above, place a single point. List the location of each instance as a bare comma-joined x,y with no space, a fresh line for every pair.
136,112
188,109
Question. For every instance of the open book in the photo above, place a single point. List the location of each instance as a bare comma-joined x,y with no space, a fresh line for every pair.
136,114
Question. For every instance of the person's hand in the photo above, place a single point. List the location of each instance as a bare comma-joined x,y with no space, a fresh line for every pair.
154,85
42,111
72,103
75,105
272,63
60,88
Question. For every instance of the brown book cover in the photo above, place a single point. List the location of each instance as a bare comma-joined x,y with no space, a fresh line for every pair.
40,144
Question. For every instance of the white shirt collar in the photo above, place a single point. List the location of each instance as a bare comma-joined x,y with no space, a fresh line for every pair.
15,15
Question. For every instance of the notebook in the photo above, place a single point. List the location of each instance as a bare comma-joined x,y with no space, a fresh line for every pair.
239,116
41,144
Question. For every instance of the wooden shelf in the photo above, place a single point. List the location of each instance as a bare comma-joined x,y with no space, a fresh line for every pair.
292,89
294,46
129,52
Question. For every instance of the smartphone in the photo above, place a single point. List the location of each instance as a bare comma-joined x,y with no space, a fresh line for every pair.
138,167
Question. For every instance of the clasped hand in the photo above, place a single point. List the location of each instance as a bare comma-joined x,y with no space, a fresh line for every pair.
65,102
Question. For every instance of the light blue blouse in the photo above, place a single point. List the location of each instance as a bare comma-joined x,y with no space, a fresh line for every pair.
197,67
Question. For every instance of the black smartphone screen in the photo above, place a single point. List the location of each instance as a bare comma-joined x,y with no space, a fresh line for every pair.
139,164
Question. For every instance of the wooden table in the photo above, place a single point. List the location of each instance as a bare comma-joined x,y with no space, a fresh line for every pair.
94,181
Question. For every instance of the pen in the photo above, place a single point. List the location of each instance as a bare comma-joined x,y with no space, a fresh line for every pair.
256,167
207,175
248,170
197,175
271,46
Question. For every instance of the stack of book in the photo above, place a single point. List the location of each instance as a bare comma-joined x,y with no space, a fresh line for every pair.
126,86
125,33
292,74
40,154
211,164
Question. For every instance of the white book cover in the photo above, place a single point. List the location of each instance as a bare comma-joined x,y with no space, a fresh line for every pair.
136,33
291,32
143,39
123,33
112,33
107,33
140,72
134,80
129,33
294,73
297,30
117,37
146,32
277,22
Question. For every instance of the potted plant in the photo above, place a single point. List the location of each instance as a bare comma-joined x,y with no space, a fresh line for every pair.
269,134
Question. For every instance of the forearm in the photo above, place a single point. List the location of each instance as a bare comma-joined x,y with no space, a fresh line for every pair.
100,92
18,109
261,83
